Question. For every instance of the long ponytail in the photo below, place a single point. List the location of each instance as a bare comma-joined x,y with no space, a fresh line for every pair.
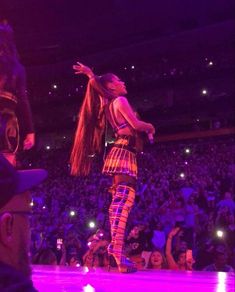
90,127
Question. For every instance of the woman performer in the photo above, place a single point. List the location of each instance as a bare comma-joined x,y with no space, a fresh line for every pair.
14,104
104,100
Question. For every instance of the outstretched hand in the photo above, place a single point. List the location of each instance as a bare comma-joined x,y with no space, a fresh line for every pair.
174,231
79,68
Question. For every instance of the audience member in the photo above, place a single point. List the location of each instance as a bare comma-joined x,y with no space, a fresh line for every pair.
15,271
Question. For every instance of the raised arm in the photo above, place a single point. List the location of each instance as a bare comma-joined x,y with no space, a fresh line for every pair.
93,79
170,260
79,68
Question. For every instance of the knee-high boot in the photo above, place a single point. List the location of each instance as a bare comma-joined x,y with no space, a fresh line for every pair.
122,202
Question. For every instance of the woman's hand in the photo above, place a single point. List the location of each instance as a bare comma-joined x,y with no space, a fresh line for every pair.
79,68
29,141
151,129
173,232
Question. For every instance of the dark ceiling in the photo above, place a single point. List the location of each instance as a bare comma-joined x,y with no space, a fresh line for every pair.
51,31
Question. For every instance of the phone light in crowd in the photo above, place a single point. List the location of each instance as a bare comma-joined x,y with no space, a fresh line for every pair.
132,67
186,162
92,224
89,243
31,204
187,150
44,207
204,91
182,175
210,63
72,213
54,86
78,265
219,233
48,147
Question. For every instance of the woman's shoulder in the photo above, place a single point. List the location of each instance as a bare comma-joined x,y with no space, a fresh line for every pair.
120,100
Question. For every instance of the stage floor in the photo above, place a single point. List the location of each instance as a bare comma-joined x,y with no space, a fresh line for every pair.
65,279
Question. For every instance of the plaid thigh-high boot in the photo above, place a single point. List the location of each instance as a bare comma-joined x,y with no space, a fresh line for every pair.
122,202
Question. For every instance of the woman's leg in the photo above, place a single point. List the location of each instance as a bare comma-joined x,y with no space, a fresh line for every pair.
120,207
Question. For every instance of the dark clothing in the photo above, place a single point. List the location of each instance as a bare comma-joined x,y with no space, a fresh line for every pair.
13,281
135,246
9,127
230,238
212,268
13,74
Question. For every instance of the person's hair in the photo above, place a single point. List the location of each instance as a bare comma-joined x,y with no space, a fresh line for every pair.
164,262
11,71
7,44
91,125
177,254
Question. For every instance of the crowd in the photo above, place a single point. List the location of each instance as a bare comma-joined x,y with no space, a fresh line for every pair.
183,217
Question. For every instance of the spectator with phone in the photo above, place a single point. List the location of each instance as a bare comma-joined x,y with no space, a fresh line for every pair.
96,255
182,260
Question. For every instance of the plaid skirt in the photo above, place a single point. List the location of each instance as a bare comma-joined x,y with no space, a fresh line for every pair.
121,159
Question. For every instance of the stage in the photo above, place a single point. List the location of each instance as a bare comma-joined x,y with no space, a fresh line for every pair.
66,279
